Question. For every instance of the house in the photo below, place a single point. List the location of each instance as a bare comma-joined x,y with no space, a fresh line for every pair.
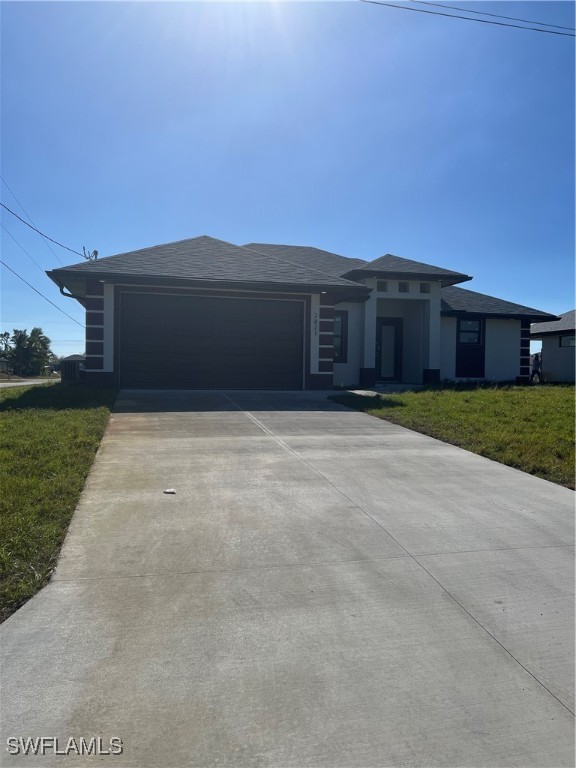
206,314
558,344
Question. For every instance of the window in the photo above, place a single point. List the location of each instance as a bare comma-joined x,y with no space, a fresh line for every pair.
469,332
568,341
424,287
382,286
340,336
403,287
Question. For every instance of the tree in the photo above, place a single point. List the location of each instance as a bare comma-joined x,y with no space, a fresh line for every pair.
29,352
4,342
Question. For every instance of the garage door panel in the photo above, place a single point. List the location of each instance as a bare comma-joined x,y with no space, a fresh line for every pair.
170,341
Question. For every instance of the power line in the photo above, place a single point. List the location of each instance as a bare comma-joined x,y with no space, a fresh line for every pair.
46,243
40,294
22,247
28,322
495,15
467,18
41,233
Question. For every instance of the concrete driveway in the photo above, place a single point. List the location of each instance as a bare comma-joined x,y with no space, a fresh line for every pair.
324,589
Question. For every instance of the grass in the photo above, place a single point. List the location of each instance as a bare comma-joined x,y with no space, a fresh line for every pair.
48,438
529,428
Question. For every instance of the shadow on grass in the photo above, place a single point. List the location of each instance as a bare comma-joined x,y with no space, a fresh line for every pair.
56,397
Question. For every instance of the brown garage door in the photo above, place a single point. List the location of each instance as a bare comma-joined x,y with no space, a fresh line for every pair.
185,342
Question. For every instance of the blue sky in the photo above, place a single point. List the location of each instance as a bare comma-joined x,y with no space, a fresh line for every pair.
356,128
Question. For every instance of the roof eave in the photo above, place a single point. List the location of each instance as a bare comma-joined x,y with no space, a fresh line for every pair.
545,334
497,315
60,277
444,280
81,299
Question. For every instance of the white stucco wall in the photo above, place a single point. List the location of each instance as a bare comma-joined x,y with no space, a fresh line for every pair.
502,350
557,362
448,327
348,373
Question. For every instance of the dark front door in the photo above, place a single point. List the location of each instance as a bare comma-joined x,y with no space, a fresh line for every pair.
389,349
198,342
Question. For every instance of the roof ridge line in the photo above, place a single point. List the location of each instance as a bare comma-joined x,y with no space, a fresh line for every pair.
292,264
312,247
149,248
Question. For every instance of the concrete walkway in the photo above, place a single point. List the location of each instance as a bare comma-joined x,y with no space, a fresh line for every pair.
324,589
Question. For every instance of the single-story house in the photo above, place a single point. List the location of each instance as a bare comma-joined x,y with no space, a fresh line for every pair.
206,314
558,345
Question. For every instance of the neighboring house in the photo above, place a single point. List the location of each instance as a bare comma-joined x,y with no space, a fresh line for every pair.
558,344
207,314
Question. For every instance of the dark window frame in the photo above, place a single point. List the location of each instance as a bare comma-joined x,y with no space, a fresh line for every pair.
569,337
425,288
382,286
343,357
404,286
479,340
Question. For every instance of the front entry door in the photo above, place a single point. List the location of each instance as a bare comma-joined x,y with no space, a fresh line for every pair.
389,349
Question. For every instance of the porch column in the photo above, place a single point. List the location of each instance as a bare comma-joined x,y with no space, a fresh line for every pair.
368,369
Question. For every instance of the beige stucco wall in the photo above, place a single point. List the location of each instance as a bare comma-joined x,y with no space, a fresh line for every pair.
557,362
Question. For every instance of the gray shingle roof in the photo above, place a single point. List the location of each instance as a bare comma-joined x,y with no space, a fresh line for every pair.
565,324
205,259
325,261
460,300
389,265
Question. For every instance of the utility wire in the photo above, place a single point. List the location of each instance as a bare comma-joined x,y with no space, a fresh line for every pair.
46,243
40,294
495,15
24,249
42,233
467,18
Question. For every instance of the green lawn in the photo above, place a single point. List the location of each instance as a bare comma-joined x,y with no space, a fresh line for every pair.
49,435
530,428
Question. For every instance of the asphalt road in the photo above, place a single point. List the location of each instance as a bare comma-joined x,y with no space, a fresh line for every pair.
26,382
